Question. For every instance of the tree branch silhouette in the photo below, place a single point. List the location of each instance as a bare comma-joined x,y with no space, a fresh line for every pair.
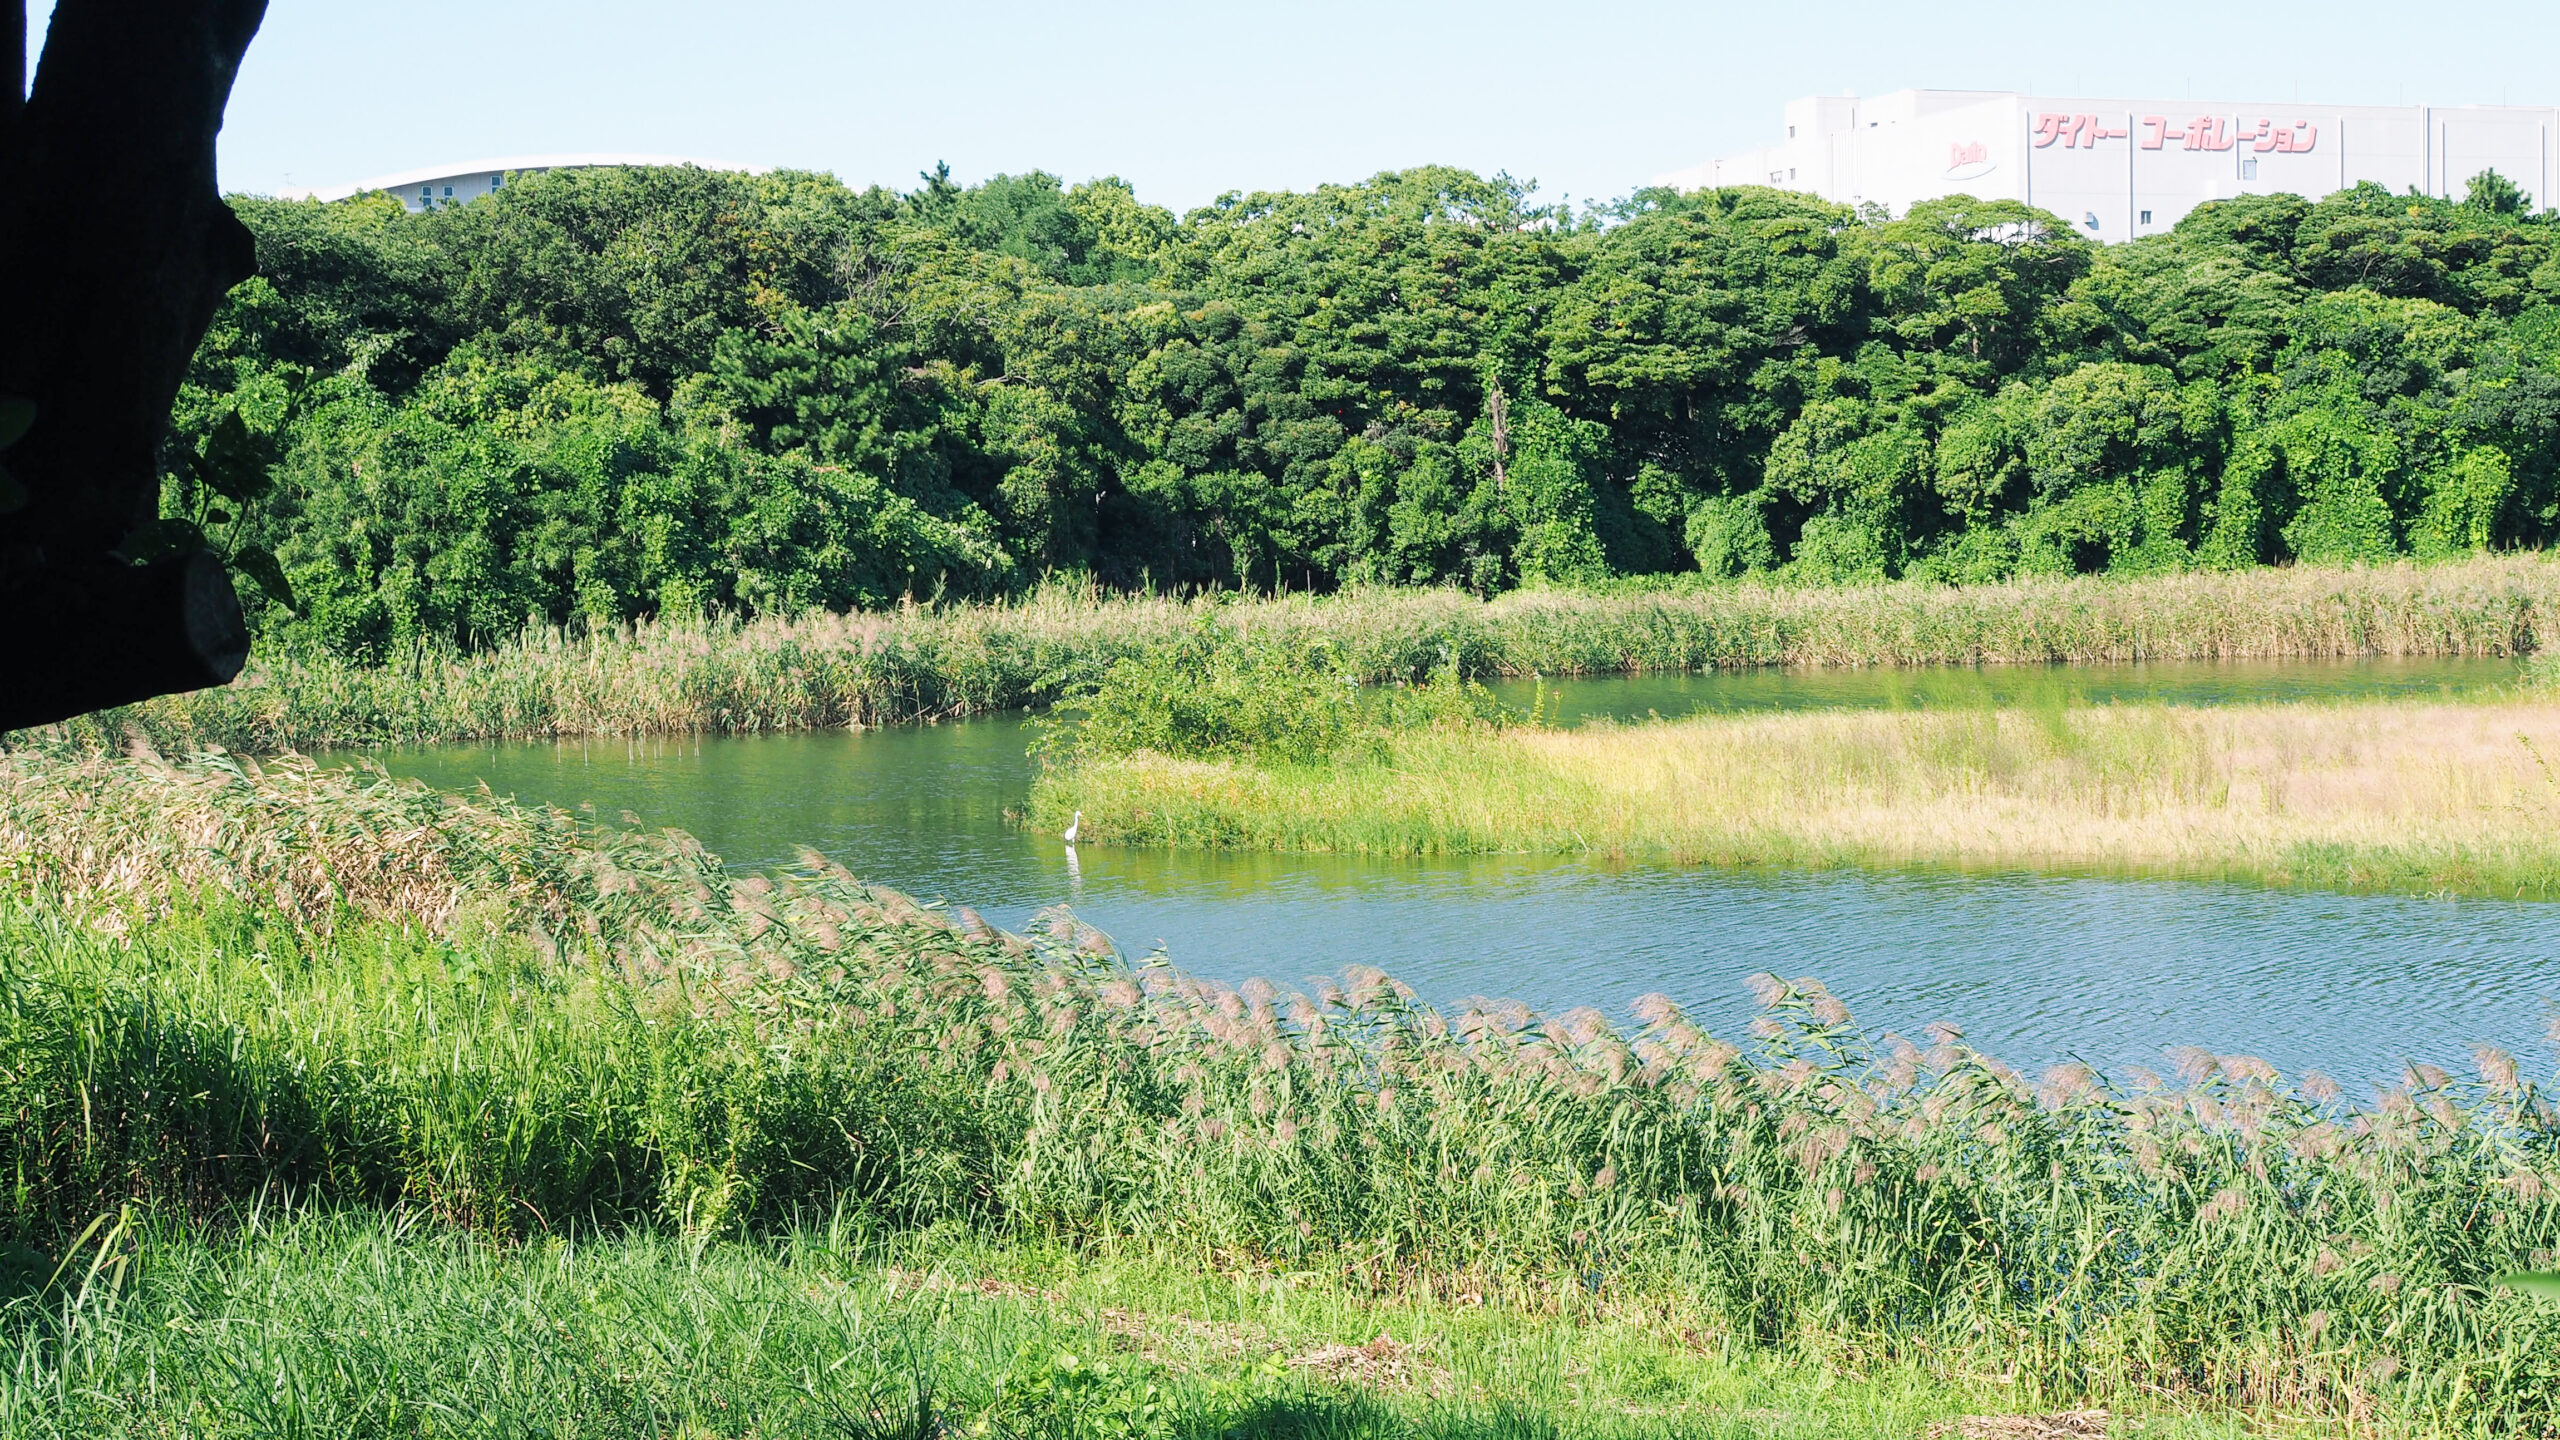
115,249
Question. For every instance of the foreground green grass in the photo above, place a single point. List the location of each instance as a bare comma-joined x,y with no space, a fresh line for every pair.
2414,796
351,1327
920,663
224,989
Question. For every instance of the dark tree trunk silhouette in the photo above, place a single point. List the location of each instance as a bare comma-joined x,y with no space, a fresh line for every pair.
115,248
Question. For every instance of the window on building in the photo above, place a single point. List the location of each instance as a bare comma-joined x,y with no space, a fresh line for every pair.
1791,172
496,181
2146,217
1791,132
426,192
1777,177
448,192
2089,218
2249,168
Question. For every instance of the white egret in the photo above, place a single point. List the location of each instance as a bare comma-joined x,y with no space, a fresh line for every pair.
1073,826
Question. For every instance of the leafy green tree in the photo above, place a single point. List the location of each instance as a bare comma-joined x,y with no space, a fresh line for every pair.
1542,466
2466,498
1974,282
2114,468
2491,193
1861,471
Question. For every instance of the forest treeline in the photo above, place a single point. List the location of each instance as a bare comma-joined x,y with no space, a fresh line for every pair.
604,394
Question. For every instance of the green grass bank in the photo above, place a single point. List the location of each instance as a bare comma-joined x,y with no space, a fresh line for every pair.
927,662
357,1326
231,987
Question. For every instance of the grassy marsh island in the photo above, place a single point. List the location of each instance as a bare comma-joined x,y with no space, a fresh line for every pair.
919,662
1228,738
400,1106
2427,797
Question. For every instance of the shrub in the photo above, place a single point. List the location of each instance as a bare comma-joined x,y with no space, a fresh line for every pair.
1217,690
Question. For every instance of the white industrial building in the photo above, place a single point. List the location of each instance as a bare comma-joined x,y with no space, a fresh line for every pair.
453,184
2124,168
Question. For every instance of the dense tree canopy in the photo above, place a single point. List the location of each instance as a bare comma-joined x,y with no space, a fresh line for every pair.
602,394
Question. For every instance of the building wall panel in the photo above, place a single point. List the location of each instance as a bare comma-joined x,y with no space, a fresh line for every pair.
2119,168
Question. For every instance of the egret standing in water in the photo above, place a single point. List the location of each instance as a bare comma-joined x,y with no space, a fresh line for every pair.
1075,869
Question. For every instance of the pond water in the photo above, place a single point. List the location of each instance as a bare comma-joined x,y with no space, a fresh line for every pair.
2033,968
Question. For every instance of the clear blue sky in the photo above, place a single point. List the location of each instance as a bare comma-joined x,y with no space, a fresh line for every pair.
1188,100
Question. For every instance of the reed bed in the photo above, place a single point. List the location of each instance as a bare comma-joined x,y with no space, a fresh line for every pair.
2425,797
926,662
631,1036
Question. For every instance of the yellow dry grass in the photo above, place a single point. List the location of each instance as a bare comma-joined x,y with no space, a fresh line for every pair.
2425,796
2146,787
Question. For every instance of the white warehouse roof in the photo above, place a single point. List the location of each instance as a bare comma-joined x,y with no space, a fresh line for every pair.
475,177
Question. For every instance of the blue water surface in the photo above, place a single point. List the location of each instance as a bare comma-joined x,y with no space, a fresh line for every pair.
2033,968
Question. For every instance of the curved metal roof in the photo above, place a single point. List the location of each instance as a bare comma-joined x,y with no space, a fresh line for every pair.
400,180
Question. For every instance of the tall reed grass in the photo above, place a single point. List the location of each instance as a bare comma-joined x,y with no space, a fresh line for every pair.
628,1034
926,662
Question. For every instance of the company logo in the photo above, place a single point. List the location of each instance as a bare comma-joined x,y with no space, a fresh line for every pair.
1968,159
2215,132
2075,131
